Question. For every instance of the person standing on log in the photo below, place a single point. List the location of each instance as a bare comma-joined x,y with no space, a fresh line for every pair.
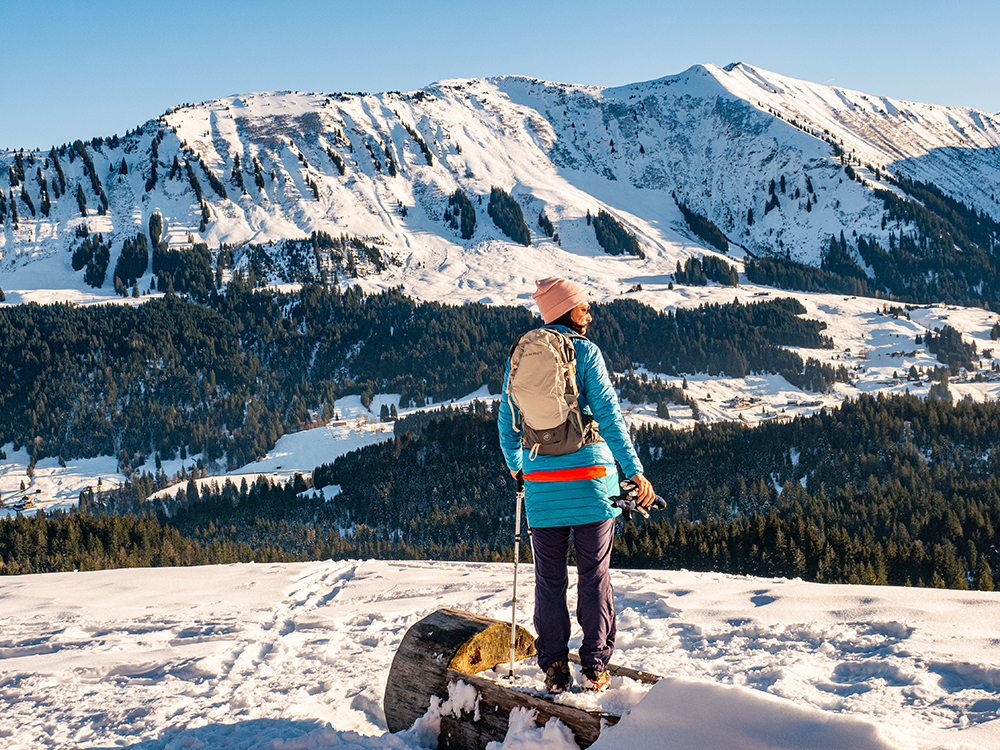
572,493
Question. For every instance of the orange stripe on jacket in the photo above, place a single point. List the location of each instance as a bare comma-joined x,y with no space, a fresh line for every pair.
567,475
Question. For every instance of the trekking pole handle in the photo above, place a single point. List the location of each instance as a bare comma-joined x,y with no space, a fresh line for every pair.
632,492
627,501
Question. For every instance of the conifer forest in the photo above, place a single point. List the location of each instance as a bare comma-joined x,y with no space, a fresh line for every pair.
883,490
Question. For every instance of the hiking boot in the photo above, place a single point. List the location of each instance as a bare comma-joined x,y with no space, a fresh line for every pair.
594,680
557,678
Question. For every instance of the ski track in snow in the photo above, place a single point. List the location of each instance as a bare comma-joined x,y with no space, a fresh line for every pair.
297,655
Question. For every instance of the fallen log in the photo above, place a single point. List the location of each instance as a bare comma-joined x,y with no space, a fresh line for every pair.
445,639
450,645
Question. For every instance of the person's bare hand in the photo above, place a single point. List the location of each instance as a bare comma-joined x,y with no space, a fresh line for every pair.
646,493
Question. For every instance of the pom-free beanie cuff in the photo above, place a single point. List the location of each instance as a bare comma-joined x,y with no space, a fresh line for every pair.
557,296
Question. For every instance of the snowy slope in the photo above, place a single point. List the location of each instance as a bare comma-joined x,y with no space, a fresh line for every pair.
297,656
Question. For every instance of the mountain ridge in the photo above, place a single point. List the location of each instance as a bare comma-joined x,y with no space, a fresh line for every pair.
711,137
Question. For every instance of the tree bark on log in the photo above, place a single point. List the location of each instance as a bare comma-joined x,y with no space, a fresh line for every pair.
495,704
447,638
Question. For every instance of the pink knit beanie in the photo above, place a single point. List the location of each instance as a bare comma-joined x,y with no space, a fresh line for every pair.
556,296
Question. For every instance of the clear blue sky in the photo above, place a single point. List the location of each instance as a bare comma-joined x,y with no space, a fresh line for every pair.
79,70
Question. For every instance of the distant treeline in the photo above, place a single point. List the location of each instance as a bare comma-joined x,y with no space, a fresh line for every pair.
227,377
698,272
703,227
785,273
241,530
614,237
61,542
734,339
507,215
886,490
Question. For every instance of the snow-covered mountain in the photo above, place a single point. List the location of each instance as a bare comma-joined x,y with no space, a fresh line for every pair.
297,655
283,165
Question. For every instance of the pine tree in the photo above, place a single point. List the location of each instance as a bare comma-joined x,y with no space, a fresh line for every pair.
983,578
81,199
545,223
155,228
460,202
338,162
59,170
46,202
19,166
236,175
26,197
421,144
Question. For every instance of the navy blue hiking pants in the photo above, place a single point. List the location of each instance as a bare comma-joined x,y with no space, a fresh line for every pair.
595,597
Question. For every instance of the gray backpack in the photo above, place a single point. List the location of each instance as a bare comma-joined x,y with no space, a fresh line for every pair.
542,384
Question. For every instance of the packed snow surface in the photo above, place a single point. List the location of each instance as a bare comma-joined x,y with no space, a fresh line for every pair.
297,656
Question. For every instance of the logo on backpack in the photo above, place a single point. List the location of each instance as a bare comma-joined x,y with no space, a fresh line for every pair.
542,384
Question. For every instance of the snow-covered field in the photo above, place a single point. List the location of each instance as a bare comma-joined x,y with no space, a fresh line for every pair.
297,656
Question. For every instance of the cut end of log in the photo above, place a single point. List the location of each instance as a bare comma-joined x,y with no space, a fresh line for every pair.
489,648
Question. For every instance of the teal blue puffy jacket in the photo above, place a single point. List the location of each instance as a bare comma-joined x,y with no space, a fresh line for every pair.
576,488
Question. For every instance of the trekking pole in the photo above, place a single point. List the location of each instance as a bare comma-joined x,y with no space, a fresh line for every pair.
517,553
